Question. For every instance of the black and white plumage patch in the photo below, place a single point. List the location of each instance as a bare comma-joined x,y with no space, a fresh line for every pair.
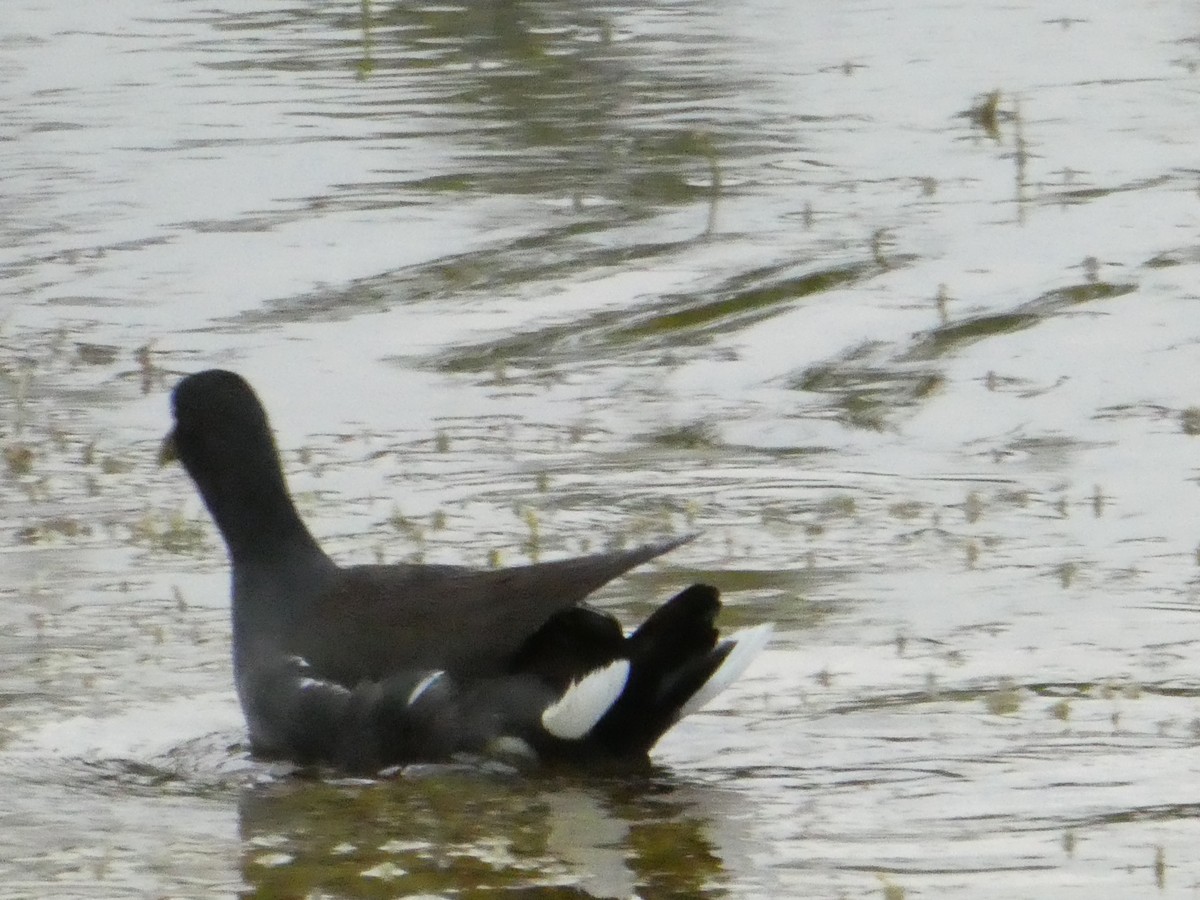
585,702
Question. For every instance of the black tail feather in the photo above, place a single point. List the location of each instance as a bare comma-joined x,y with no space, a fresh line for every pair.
671,656
571,644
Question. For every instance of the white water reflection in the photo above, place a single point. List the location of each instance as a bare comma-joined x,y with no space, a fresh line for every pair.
922,373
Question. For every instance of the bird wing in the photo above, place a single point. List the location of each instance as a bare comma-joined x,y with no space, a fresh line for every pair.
374,621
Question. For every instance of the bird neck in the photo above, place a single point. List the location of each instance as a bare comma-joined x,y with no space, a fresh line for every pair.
258,520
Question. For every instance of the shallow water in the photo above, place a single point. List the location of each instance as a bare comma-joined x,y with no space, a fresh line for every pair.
519,280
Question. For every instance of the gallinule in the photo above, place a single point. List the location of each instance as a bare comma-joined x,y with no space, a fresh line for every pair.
362,667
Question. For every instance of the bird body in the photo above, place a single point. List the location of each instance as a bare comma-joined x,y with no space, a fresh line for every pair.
366,666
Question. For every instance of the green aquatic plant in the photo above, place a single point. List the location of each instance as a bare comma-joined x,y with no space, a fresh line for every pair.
533,540
985,114
1189,420
693,436
1004,700
401,524
891,890
973,507
773,514
839,506
656,519
172,533
96,354
1066,573
114,465
365,65
18,458
59,526
881,244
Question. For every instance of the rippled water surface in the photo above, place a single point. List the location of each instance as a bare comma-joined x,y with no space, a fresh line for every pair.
897,305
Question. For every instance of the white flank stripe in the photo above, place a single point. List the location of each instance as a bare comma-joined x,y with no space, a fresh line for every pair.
305,682
586,701
423,685
747,644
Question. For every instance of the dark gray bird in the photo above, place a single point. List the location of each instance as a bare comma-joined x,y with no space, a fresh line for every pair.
368,666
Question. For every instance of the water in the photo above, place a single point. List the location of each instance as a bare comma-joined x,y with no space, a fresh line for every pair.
522,280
